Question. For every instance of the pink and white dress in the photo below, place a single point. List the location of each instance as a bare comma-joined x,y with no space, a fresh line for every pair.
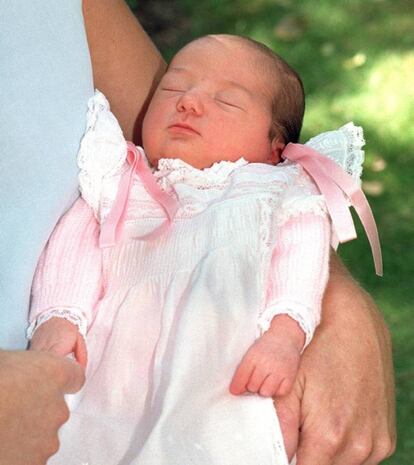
168,320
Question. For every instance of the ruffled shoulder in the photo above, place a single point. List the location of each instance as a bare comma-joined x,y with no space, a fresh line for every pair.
102,152
344,146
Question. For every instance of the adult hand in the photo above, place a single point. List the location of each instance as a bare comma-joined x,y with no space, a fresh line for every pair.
32,406
343,399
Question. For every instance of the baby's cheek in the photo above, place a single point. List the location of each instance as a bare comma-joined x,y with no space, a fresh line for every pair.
150,142
151,128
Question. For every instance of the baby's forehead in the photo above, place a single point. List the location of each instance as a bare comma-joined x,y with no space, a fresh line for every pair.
226,43
237,52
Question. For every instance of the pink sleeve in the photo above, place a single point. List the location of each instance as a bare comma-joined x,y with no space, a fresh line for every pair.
68,278
299,272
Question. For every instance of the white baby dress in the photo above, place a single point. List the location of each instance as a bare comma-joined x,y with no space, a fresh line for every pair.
169,319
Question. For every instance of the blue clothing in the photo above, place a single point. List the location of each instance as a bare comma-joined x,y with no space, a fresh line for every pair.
45,82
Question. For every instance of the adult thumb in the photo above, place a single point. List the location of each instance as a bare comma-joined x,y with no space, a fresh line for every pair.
288,412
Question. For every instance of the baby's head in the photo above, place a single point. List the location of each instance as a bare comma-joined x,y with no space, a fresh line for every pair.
224,97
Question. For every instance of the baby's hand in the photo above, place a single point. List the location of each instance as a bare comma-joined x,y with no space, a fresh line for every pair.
270,365
61,337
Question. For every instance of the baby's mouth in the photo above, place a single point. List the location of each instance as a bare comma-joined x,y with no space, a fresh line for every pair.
183,128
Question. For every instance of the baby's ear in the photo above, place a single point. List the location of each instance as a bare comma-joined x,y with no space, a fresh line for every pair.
277,146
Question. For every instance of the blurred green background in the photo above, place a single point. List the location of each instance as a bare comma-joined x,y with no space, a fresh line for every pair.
356,59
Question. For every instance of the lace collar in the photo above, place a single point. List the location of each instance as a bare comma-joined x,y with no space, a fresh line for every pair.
173,171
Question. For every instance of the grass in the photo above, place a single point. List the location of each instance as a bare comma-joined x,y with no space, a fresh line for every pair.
356,58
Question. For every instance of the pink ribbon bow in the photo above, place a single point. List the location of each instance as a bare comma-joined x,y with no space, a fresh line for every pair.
111,230
333,182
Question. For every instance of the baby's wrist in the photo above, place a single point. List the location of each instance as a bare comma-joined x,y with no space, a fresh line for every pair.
58,324
287,327
59,314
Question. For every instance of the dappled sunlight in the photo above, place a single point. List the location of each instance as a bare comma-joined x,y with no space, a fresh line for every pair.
373,188
386,99
356,61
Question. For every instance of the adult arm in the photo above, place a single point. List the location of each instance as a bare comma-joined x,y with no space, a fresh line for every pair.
343,398
32,406
126,64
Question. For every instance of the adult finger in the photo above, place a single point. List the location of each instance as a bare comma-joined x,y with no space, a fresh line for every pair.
355,452
311,453
288,412
383,448
366,450
359,453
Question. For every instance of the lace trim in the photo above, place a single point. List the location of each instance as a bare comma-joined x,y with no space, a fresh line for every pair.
173,170
355,142
344,146
291,209
299,312
266,213
71,314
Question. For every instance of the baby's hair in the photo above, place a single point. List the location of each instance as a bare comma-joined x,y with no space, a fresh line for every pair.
288,95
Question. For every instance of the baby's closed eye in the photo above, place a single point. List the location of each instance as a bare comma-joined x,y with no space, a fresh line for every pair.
172,89
228,103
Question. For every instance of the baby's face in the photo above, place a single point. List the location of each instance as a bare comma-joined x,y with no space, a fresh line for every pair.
211,105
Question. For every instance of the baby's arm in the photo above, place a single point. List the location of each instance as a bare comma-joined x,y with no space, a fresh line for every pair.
67,285
298,276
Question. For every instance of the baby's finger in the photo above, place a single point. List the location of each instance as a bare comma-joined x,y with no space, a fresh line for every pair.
37,344
80,351
60,348
40,341
256,380
45,345
241,377
269,386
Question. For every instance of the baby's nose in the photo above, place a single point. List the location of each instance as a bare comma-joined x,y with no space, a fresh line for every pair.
191,102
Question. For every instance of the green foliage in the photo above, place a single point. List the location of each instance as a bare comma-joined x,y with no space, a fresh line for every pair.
356,58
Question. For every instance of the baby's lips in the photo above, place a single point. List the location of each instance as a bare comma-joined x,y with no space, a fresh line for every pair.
183,128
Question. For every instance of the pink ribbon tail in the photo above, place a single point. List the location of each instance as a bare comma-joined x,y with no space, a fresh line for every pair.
333,182
112,229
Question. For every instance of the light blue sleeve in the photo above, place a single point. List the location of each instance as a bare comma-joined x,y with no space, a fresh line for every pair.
45,83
